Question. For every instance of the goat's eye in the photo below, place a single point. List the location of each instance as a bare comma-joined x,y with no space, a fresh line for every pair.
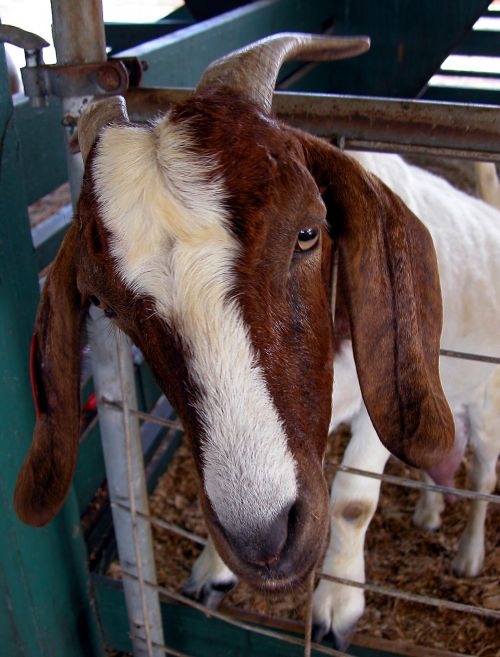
307,239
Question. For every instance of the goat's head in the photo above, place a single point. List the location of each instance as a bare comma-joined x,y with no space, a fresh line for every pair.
207,236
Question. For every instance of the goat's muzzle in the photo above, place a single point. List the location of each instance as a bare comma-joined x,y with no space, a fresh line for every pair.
279,556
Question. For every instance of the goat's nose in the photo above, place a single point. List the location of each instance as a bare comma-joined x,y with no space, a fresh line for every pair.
265,546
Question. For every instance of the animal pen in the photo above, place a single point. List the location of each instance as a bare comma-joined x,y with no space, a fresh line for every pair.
57,598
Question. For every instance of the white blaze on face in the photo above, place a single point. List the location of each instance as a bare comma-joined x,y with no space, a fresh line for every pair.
170,239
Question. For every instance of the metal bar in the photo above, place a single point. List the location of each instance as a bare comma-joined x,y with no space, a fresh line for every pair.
167,650
460,354
109,361
163,524
78,30
136,481
118,406
414,597
79,39
420,485
462,130
309,614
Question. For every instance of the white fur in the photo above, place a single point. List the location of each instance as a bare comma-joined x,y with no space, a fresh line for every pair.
170,239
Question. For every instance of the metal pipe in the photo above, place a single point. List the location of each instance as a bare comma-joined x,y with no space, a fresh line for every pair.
126,479
78,31
383,124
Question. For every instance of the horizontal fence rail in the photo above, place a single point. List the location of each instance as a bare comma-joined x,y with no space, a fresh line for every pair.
359,123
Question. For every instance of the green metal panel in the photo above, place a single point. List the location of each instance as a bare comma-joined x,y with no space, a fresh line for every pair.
458,95
480,42
410,40
191,632
42,148
120,36
90,472
45,609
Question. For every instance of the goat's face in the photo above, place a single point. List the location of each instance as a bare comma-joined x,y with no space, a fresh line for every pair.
219,272
204,237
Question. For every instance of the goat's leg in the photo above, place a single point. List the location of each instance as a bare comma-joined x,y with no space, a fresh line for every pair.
210,578
470,556
484,416
337,607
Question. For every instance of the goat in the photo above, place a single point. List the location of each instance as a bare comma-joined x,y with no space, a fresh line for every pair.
208,238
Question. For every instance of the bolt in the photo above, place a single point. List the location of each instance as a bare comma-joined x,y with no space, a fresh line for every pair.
108,78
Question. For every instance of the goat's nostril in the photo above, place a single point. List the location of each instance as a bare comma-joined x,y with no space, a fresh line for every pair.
267,549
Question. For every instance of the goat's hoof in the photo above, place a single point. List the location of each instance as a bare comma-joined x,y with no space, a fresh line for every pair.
210,595
463,566
340,640
469,559
319,631
428,520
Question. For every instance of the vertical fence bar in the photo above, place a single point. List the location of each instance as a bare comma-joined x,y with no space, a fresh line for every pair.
126,489
79,38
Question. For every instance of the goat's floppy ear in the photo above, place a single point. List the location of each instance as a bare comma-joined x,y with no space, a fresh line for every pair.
388,274
47,471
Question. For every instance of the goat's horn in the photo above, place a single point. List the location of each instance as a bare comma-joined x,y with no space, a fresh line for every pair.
254,69
96,116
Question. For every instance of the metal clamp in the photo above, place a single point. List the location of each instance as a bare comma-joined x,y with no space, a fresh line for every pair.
42,80
101,79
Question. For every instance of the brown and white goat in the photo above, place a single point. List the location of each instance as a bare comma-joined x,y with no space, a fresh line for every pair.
208,238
